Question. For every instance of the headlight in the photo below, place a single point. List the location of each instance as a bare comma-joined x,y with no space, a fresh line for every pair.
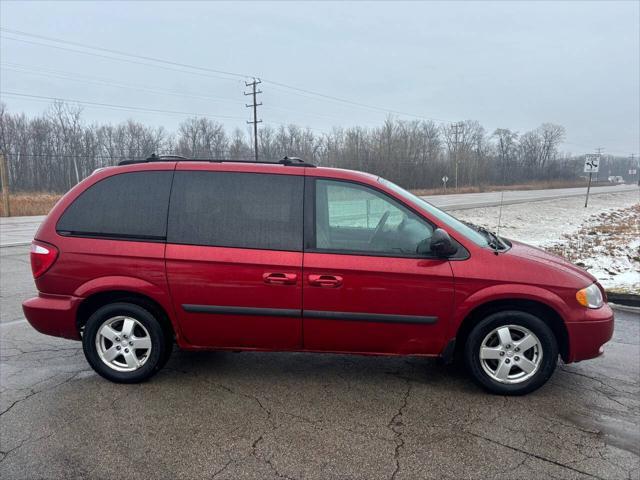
590,297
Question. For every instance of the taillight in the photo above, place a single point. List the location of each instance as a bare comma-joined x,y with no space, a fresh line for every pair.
43,256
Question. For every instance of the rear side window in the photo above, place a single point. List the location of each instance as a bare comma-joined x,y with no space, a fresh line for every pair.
244,210
128,205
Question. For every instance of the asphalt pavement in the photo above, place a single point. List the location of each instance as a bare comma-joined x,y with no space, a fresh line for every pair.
20,230
462,201
293,415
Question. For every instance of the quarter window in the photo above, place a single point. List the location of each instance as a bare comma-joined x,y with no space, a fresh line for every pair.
231,209
128,205
355,218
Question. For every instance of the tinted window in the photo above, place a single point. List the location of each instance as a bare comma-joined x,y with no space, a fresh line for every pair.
355,218
128,205
229,209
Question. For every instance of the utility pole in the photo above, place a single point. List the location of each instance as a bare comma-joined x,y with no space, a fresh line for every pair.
456,130
4,180
255,106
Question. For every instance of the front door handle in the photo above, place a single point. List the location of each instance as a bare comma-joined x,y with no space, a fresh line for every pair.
330,281
278,278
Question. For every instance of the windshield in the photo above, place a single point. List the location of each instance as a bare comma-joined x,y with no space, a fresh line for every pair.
445,218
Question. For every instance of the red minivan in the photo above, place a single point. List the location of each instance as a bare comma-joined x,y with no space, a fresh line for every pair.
289,257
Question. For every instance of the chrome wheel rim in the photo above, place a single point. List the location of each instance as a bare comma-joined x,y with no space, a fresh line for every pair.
511,354
123,343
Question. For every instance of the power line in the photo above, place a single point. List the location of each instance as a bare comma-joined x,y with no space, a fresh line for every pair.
136,109
295,89
125,54
117,107
92,54
96,81
74,77
255,106
197,70
353,103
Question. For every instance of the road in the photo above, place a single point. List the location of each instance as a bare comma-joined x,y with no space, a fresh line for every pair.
289,415
489,199
20,230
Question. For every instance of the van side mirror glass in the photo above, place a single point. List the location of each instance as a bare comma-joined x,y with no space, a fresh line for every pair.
441,244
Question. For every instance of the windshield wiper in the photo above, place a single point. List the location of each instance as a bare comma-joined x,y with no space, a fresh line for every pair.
494,241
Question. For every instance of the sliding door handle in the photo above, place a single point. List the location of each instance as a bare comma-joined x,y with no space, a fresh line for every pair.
330,281
278,278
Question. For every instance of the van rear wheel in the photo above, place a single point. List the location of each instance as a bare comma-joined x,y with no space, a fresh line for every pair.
511,353
124,343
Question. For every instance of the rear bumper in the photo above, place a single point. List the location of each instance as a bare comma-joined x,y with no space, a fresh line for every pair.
587,337
53,315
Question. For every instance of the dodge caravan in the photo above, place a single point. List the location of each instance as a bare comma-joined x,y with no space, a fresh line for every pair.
287,256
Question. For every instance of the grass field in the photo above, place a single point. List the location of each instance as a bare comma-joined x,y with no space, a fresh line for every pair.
24,204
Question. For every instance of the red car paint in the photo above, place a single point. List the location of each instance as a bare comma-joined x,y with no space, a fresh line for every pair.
176,276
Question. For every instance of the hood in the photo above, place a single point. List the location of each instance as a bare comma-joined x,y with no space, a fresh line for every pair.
527,252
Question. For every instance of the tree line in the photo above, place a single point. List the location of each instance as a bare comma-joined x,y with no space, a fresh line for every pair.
54,151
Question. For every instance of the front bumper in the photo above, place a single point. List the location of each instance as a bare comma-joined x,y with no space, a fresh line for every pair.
53,315
587,336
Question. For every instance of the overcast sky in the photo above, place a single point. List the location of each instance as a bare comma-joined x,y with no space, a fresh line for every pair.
512,65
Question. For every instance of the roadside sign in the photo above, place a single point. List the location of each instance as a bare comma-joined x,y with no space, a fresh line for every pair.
591,163
633,171
445,179
591,166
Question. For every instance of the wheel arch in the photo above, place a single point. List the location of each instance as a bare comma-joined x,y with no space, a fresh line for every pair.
93,302
543,311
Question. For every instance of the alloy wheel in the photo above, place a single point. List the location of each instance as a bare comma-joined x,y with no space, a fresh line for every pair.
123,343
510,354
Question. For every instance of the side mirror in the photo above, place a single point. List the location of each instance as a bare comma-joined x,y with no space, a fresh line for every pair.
440,244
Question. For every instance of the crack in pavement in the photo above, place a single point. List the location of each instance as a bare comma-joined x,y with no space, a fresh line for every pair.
221,470
21,444
260,439
529,454
266,461
595,379
395,425
35,392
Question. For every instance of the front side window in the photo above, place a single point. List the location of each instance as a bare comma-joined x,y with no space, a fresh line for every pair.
447,219
128,205
231,209
355,218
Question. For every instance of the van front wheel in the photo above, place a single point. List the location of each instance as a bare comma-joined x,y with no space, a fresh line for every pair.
124,343
511,353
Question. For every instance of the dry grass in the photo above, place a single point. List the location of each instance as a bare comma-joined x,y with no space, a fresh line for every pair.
607,231
24,204
610,234
541,185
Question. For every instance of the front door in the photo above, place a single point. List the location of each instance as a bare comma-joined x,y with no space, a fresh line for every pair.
234,258
365,287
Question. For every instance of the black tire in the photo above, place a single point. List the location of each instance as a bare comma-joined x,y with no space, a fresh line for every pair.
548,345
160,344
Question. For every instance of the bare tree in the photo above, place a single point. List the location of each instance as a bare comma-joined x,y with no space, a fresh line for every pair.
52,152
507,149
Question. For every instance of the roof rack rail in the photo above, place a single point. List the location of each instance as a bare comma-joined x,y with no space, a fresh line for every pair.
155,158
295,162
287,161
